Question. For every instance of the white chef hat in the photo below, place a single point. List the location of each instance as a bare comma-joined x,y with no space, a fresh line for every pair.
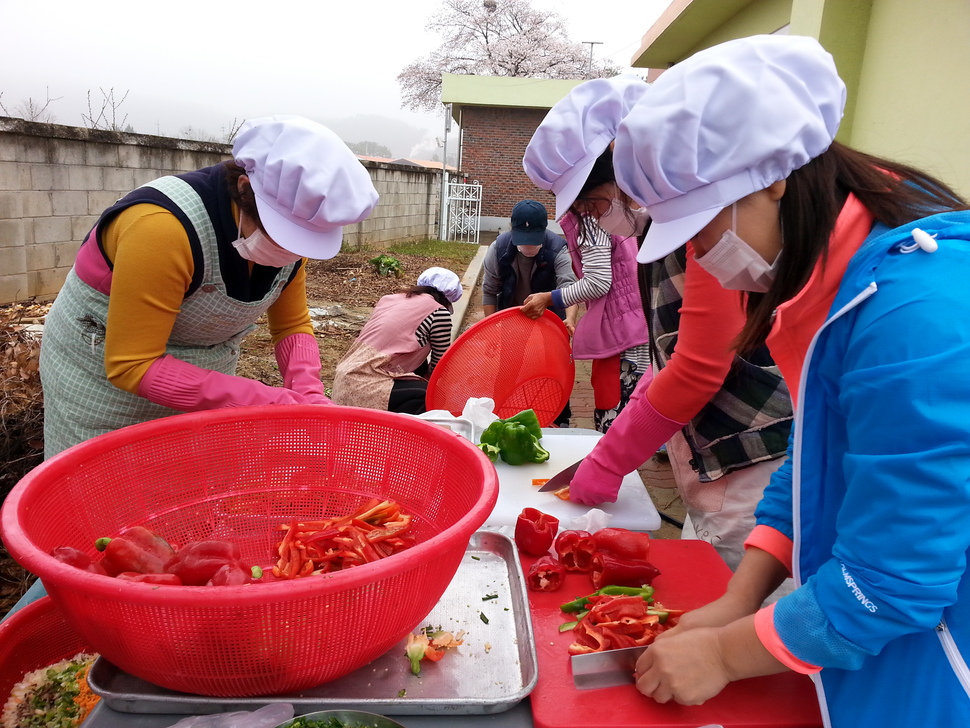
575,132
727,122
444,280
307,182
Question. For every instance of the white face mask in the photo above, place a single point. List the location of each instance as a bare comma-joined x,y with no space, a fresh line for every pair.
623,221
736,265
262,250
529,251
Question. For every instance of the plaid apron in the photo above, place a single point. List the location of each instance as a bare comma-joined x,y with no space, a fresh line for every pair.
748,420
79,401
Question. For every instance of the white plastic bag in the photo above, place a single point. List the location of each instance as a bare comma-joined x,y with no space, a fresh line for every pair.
593,520
268,716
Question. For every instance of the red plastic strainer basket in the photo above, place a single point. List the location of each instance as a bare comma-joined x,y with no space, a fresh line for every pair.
237,474
33,637
518,362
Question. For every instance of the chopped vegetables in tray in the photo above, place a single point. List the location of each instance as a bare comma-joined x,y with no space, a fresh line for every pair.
430,644
57,695
327,723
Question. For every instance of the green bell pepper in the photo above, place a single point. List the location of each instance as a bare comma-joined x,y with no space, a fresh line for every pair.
517,445
529,419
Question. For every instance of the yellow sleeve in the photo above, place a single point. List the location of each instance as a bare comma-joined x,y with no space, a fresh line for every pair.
153,269
289,313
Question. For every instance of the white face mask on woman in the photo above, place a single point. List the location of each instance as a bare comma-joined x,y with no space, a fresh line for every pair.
622,221
736,265
262,250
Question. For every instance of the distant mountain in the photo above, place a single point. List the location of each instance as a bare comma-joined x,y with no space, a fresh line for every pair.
398,136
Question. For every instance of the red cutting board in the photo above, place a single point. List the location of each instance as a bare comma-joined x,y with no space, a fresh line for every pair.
692,574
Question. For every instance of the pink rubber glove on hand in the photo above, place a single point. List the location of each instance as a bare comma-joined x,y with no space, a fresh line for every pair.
635,435
298,356
185,387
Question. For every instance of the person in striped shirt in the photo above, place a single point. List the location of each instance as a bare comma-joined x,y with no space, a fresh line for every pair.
404,339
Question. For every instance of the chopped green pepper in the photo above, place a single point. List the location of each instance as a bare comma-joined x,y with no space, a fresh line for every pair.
518,446
515,440
578,605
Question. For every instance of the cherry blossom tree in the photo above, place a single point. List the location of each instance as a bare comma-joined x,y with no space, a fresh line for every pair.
495,38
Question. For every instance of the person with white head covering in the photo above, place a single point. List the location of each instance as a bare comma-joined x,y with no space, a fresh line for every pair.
854,271
727,419
175,274
560,157
388,365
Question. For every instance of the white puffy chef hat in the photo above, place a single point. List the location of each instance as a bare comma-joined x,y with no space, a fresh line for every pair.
575,132
728,121
307,182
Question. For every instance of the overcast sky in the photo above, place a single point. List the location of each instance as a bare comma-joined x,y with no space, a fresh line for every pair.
204,63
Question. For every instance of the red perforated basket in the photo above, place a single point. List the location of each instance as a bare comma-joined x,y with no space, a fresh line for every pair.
518,362
237,474
33,637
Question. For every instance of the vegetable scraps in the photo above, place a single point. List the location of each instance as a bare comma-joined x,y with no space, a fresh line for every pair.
430,643
515,439
56,695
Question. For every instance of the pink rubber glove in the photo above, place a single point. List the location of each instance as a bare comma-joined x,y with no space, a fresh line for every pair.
298,356
635,435
174,383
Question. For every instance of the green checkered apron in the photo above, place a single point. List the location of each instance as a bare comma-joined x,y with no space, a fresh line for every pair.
79,401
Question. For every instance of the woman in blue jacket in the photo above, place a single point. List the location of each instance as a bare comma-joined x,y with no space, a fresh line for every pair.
855,273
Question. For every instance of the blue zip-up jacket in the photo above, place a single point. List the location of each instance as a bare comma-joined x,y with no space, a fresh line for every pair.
876,491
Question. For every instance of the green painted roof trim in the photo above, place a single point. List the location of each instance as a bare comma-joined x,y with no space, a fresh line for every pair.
531,93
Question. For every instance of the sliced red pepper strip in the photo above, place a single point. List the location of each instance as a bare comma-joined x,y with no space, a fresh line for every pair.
575,549
167,579
535,531
545,575
623,543
609,569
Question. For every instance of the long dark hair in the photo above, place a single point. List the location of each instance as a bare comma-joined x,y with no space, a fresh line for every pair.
895,194
245,200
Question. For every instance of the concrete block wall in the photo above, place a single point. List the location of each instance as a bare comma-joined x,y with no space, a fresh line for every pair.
493,142
56,180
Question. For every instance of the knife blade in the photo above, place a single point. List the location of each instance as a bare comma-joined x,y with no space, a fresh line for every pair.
595,670
560,479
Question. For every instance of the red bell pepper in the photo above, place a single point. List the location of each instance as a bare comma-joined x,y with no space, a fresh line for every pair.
535,531
75,557
623,543
545,575
608,569
136,549
575,549
198,561
233,574
166,579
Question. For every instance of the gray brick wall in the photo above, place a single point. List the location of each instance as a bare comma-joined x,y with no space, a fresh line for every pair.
55,181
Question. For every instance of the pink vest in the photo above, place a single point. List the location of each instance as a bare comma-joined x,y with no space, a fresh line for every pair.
615,322
385,350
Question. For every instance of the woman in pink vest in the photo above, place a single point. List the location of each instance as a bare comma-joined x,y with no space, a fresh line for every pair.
400,345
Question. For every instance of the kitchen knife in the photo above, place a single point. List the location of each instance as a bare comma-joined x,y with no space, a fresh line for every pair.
560,479
605,669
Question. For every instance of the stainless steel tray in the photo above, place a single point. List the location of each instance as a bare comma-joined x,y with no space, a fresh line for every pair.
494,669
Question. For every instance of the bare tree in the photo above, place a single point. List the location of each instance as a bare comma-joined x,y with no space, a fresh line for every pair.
228,137
495,38
107,117
33,110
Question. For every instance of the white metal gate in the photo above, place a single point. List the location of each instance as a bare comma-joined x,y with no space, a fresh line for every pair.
464,206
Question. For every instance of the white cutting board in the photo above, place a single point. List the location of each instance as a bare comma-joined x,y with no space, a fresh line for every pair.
633,509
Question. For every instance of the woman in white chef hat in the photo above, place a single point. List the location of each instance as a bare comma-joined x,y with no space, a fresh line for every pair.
854,271
727,418
175,274
389,363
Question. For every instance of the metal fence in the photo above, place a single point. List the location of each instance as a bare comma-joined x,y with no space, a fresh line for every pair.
464,207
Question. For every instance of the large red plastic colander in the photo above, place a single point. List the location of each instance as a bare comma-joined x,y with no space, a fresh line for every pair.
518,362
238,474
33,637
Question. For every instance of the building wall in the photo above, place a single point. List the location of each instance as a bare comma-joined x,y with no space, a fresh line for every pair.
55,181
913,96
493,142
